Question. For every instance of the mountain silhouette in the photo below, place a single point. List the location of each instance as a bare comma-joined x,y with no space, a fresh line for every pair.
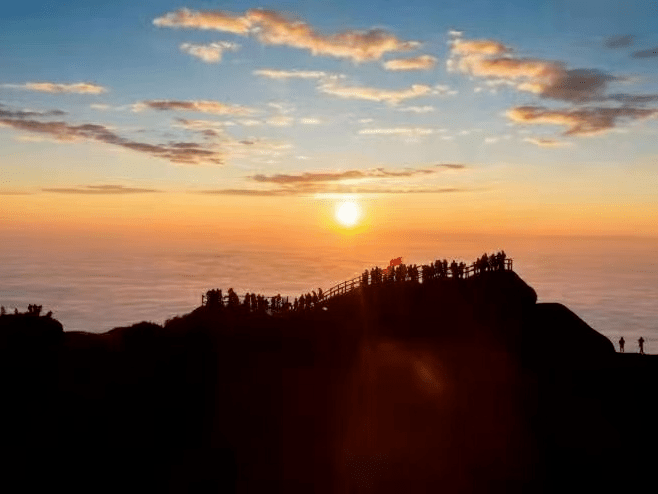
450,385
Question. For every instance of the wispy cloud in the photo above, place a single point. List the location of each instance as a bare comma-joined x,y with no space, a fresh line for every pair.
310,121
579,122
210,53
100,190
620,41
176,152
333,189
6,112
649,53
421,62
405,131
369,181
202,106
337,176
283,75
417,109
273,28
206,20
551,79
546,142
54,87
390,96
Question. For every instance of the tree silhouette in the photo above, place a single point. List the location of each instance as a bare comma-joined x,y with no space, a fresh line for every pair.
233,299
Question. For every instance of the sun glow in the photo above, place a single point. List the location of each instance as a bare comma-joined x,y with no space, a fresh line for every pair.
347,213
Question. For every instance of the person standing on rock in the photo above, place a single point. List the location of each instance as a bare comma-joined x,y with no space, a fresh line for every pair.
621,344
641,342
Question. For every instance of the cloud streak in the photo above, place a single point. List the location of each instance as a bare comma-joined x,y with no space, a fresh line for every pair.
392,97
579,122
421,62
60,88
546,142
333,190
175,152
210,53
649,53
100,190
201,106
405,131
283,75
550,79
317,177
621,41
272,28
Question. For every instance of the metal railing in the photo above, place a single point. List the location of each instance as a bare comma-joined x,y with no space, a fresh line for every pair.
466,272
344,287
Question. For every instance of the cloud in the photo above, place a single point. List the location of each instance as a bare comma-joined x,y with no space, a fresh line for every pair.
206,20
14,193
100,189
344,181
546,142
478,47
334,190
421,62
310,121
417,109
210,53
282,75
392,97
5,112
202,106
580,122
650,53
280,121
54,87
549,79
621,41
406,131
176,152
443,90
317,177
272,28
634,99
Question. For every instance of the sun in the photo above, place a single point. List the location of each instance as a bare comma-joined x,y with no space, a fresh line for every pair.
347,213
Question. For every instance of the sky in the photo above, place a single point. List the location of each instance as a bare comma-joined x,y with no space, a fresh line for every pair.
165,121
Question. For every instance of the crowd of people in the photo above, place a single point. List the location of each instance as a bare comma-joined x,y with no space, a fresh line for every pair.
252,302
436,270
396,273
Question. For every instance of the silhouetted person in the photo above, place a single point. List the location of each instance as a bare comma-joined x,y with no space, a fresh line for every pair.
641,343
621,344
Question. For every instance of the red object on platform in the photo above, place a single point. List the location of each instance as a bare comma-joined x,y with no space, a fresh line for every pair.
395,262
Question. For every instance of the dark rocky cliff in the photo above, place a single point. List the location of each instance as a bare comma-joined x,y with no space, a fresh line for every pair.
451,386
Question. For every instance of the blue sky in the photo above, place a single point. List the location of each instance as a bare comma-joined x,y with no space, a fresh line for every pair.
531,103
